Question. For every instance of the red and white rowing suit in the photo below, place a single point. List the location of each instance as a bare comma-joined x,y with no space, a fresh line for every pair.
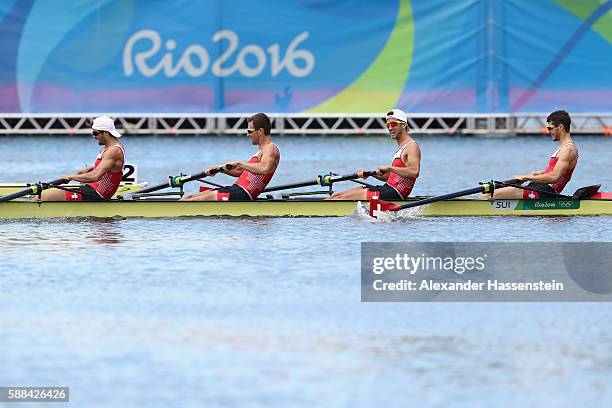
402,185
559,185
254,184
108,184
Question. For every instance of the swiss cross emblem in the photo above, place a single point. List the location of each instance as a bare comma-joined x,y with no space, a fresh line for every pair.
74,196
532,195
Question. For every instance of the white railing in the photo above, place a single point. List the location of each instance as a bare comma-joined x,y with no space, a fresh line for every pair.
302,124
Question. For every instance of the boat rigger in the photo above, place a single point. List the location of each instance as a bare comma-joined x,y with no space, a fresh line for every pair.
10,188
150,203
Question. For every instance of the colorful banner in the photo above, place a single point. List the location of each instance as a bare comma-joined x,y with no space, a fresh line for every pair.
213,56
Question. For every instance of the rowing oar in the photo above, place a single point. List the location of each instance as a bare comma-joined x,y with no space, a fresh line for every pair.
175,181
32,189
581,193
377,205
363,183
326,180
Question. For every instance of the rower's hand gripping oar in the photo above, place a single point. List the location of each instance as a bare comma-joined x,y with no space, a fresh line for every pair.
32,189
174,182
377,205
324,181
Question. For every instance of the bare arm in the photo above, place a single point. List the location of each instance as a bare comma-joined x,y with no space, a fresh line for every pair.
111,159
563,162
234,172
85,170
411,156
379,176
268,163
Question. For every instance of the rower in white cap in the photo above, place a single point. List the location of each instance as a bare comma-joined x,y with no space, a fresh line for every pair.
400,177
100,181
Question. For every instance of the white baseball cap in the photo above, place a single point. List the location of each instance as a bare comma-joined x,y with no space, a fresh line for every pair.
105,123
397,114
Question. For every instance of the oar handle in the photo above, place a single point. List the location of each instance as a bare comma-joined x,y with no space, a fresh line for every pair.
330,179
32,189
180,180
52,183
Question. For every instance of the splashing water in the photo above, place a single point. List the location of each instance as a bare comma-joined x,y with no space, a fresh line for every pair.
363,212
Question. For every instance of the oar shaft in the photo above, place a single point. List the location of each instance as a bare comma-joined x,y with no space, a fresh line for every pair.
484,188
210,183
154,188
557,195
176,181
182,180
18,194
33,189
290,186
325,180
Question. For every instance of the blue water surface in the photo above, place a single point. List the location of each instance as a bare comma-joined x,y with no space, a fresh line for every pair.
267,311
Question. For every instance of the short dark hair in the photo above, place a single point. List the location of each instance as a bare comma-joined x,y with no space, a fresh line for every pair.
261,120
560,116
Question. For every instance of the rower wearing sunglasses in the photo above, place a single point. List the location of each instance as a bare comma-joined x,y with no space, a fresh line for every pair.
100,181
548,183
401,175
253,175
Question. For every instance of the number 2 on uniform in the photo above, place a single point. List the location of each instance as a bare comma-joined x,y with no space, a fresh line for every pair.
129,174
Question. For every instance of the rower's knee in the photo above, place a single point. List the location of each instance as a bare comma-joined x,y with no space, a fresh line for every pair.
52,195
336,196
189,197
508,193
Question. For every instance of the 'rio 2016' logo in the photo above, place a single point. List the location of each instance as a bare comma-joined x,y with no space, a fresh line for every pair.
195,59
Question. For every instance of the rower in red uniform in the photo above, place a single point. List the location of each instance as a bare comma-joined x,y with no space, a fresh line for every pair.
253,175
100,181
401,175
550,181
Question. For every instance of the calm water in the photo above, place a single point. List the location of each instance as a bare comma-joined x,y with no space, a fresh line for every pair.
267,312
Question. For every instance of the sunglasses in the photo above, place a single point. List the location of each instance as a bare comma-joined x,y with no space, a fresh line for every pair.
96,132
391,124
551,127
250,130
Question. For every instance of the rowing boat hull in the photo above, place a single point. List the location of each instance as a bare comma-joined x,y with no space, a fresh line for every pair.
296,208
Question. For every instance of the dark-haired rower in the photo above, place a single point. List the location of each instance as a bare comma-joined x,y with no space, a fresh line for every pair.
253,175
550,181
